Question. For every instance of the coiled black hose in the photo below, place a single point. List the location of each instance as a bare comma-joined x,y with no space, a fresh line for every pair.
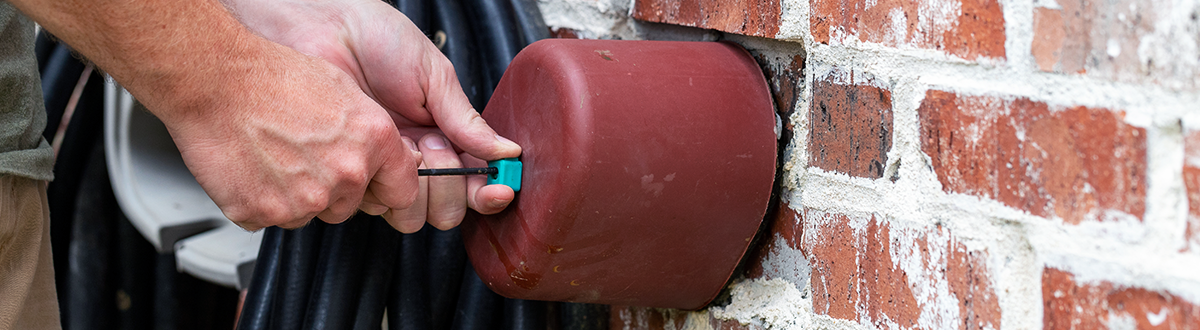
460,47
42,48
135,269
478,307
524,314
298,263
90,288
447,261
339,276
256,311
60,74
529,21
381,255
408,307
499,42
81,151
417,11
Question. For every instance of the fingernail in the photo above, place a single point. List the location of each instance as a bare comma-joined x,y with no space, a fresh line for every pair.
411,145
435,143
506,140
498,203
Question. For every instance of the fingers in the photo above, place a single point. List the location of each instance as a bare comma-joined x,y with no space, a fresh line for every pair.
410,219
395,184
442,200
340,210
447,194
456,118
407,74
371,205
481,197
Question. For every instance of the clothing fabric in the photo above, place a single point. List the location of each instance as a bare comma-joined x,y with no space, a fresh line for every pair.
23,151
27,295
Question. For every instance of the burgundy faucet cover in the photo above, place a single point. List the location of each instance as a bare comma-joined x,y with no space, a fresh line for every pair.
648,166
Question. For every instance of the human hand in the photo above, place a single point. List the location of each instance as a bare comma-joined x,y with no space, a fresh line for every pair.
276,137
289,138
396,65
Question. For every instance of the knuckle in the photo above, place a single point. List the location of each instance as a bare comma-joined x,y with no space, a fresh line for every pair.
267,216
378,127
238,214
311,202
355,174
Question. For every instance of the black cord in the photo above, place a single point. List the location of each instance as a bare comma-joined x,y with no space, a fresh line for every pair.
460,48
408,305
499,42
339,275
447,259
529,21
456,171
382,253
478,307
256,310
297,267
524,314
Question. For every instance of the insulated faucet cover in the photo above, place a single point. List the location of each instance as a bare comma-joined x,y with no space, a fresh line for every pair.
648,167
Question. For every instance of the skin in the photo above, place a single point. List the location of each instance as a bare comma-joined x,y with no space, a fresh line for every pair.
308,109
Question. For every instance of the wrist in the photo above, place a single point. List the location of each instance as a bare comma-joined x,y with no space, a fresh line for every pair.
198,74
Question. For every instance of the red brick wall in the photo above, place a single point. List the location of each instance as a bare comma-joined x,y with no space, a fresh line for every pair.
970,164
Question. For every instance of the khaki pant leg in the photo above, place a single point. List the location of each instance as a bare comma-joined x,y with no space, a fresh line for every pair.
27,295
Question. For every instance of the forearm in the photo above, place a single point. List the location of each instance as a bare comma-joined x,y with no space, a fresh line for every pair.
170,54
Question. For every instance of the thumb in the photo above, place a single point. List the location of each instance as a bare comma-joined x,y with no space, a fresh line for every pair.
452,112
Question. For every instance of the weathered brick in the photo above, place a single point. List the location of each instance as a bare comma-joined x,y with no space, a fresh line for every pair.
969,282
966,28
1191,181
1085,35
850,127
856,276
563,33
1076,163
749,17
1068,304
784,225
854,271
786,84
1121,40
642,318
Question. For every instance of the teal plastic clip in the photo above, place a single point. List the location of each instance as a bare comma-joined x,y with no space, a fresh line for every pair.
508,172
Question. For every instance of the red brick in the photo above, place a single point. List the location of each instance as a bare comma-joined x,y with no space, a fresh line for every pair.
855,278
785,225
563,33
969,282
1191,180
1076,38
977,30
749,17
851,128
786,84
1074,163
856,272
642,318
1071,305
